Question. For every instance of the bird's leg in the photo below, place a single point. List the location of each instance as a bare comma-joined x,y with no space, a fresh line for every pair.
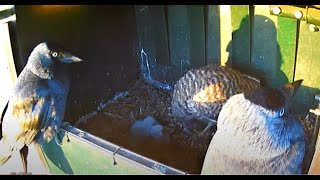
185,130
24,155
183,126
211,122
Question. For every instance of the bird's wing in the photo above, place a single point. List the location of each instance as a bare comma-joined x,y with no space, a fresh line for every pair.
53,113
30,113
294,157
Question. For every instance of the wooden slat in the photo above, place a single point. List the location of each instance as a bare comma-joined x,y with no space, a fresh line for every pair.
153,42
158,21
225,33
307,68
213,34
8,75
146,31
197,35
287,38
315,164
264,47
179,39
6,45
240,35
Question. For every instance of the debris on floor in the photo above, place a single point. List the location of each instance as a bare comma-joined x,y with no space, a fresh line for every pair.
140,120
128,115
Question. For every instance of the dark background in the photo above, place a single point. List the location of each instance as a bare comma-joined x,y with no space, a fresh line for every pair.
105,37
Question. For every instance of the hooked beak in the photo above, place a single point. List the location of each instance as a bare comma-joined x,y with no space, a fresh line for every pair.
291,89
69,58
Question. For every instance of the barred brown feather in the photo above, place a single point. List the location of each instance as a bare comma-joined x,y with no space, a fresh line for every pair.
201,92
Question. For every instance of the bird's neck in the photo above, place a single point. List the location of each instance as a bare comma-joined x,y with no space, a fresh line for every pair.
40,68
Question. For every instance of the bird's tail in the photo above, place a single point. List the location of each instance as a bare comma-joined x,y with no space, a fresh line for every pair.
5,152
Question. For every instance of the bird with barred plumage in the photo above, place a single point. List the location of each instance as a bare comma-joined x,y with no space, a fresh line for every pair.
199,95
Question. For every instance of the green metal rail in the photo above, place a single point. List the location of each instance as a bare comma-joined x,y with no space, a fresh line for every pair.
82,153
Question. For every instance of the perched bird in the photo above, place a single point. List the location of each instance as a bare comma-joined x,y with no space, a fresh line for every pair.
200,93
37,106
256,134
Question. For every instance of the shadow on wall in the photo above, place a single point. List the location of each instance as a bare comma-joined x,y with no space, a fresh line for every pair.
265,63
265,59
264,54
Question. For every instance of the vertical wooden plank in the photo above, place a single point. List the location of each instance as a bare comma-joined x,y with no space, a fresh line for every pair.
160,34
264,48
6,54
225,33
179,39
315,163
153,45
240,21
307,68
213,34
197,35
287,33
146,38
8,75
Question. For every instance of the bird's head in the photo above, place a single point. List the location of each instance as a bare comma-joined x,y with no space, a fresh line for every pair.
274,102
47,56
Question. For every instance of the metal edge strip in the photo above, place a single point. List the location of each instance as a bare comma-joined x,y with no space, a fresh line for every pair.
115,149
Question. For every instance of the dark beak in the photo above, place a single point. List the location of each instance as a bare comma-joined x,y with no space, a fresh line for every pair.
69,58
291,89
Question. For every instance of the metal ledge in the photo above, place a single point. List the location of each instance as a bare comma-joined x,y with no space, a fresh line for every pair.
121,152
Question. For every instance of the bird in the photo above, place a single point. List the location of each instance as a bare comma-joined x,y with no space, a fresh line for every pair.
199,95
36,108
257,134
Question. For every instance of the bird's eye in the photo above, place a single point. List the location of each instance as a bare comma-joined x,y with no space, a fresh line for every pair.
281,112
54,54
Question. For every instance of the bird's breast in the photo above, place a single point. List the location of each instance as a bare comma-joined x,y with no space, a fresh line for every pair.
58,87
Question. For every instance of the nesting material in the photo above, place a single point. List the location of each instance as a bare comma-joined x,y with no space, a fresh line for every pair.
141,121
117,120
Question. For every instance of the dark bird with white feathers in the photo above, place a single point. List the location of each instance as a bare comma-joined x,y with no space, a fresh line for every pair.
200,94
257,134
37,106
